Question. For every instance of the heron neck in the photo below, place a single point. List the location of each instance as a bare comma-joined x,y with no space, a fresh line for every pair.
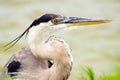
36,37
55,49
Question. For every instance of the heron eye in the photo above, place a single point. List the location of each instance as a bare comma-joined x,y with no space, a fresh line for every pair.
54,21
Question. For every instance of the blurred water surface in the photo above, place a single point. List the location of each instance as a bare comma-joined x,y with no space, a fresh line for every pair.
97,46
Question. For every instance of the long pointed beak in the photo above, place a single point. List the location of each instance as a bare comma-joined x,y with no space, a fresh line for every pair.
74,21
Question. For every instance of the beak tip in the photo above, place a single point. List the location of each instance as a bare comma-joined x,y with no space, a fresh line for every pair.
106,21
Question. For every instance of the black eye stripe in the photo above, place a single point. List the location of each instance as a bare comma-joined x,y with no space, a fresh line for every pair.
44,18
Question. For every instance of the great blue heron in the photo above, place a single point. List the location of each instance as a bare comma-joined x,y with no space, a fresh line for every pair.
45,59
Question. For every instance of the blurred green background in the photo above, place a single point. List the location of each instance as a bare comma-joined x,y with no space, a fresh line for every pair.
96,48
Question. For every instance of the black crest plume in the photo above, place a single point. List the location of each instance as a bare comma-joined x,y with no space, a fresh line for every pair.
13,42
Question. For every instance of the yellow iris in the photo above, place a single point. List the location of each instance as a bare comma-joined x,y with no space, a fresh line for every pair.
54,21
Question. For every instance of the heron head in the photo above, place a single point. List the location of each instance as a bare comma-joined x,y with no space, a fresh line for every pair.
56,21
